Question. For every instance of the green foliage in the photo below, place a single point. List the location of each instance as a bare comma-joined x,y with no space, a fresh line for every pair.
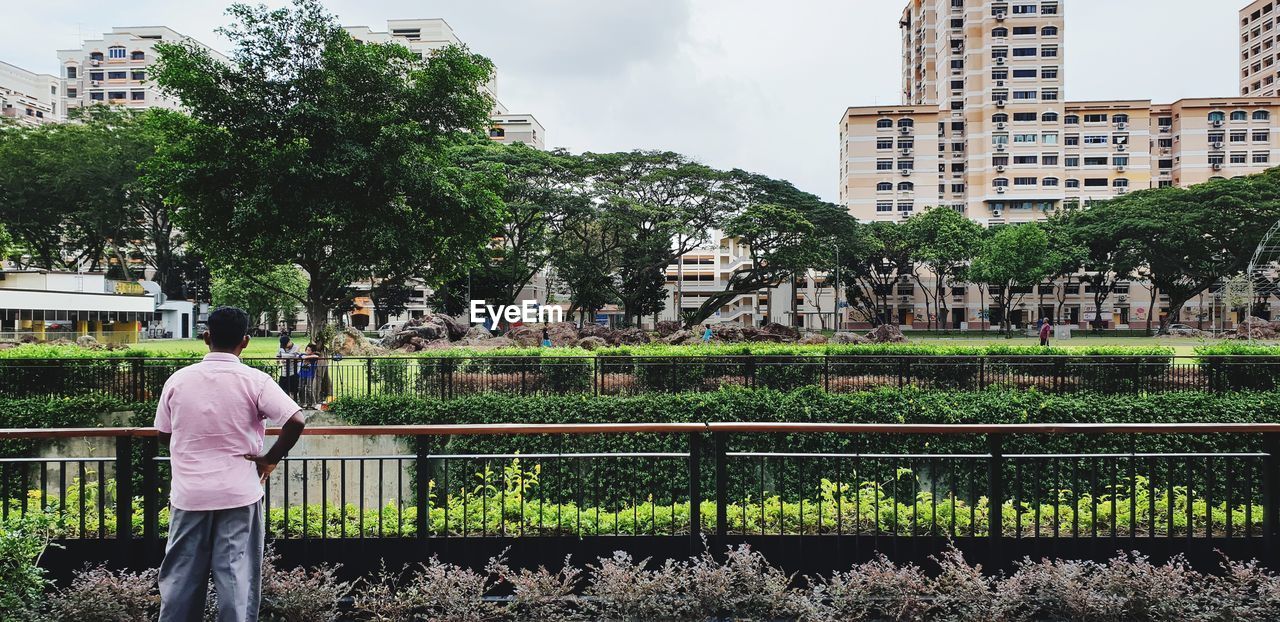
23,541
275,293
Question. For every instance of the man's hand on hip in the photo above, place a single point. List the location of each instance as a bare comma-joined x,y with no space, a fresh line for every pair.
265,465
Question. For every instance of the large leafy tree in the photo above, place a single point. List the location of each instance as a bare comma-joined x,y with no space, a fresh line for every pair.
1187,239
658,206
1011,257
313,149
786,232
1104,257
870,277
268,297
942,241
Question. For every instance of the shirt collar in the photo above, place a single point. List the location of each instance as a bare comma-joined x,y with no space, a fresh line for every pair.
221,357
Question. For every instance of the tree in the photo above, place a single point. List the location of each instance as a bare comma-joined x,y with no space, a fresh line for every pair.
1013,256
585,264
389,297
871,276
943,241
540,191
317,150
1185,240
781,228
6,243
268,297
658,206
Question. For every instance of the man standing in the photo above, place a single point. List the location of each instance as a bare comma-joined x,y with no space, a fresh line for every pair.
287,354
213,416
1046,328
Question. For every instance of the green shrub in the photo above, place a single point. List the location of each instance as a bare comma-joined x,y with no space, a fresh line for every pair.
22,582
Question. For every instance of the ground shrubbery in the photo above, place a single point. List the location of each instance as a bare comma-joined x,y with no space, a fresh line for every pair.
738,584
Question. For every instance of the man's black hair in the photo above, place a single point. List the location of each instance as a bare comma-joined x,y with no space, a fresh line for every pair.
284,340
227,327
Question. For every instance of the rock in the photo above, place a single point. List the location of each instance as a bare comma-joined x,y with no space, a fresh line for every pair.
476,333
527,336
787,333
849,339
763,337
886,333
680,337
592,343
667,327
87,341
813,340
499,342
455,328
563,334
352,342
731,333
632,337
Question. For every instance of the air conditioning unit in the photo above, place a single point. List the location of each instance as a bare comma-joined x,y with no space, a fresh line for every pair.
999,103
95,62
94,83
1122,147
1000,147
1216,145
904,298
999,168
1122,126
1217,123
1001,125
995,213
1122,191
904,130
906,151
906,172
1119,169
1166,151
1217,167
999,16
1001,60
999,82
1000,189
1165,129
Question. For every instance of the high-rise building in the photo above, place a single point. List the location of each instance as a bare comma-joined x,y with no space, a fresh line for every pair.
113,69
427,35
985,127
28,97
1258,48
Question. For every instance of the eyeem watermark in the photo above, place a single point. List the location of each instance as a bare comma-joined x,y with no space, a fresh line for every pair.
528,312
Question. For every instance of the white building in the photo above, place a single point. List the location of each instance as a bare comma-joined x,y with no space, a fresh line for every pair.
47,304
114,68
28,97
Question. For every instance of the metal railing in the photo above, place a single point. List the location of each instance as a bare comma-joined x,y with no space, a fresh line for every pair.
820,495
450,377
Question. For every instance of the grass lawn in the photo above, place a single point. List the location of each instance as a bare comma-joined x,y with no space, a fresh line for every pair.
1183,346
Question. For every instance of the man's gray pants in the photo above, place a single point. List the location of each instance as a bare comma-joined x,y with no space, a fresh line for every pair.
227,543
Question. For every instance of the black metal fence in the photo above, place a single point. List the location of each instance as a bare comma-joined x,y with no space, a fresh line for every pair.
449,377
689,485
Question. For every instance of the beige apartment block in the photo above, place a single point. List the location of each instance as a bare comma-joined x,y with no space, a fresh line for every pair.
27,97
113,69
1259,43
424,36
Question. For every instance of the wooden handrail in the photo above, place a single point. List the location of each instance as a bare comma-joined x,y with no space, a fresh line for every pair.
674,428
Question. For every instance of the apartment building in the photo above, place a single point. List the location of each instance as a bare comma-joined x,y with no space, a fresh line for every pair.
113,69
28,97
427,35
1259,42
985,128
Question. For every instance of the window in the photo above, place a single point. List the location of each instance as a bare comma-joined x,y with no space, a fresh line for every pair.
115,52
138,74
95,56
884,143
1165,122
1165,164
1096,140
1120,182
1261,136
1000,32
1026,159
71,92
1000,182
1095,161
1217,137
884,206
1120,161
1049,51
1025,9
1024,116
1026,73
1024,52
1239,137
1025,95
884,186
96,96
71,72
1239,115
1024,138
1071,119
1049,182
1261,157
999,117
1049,95
1049,73
906,206
1072,140
883,123
1049,159
1073,183
999,74
1049,117
1024,30
114,95
1049,31
906,186
1261,115
1000,53
906,165
1239,157
116,75
1000,160
1049,139
1071,161
1120,118
999,139
1218,116
1096,182
884,165
957,85
906,123
95,75
137,95
1049,9
1215,158
1024,181
137,55
1095,118
497,132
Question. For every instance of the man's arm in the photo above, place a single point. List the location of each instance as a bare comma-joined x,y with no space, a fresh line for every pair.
289,434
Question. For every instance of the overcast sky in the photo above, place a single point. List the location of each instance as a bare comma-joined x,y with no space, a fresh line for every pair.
753,84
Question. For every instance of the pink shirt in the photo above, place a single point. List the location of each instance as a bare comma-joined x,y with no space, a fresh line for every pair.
217,411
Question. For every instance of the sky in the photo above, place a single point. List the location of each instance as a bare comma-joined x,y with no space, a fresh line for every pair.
754,84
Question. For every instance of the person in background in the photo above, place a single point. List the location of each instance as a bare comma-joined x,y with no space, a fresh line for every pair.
310,362
546,338
287,355
706,333
1045,330
213,417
